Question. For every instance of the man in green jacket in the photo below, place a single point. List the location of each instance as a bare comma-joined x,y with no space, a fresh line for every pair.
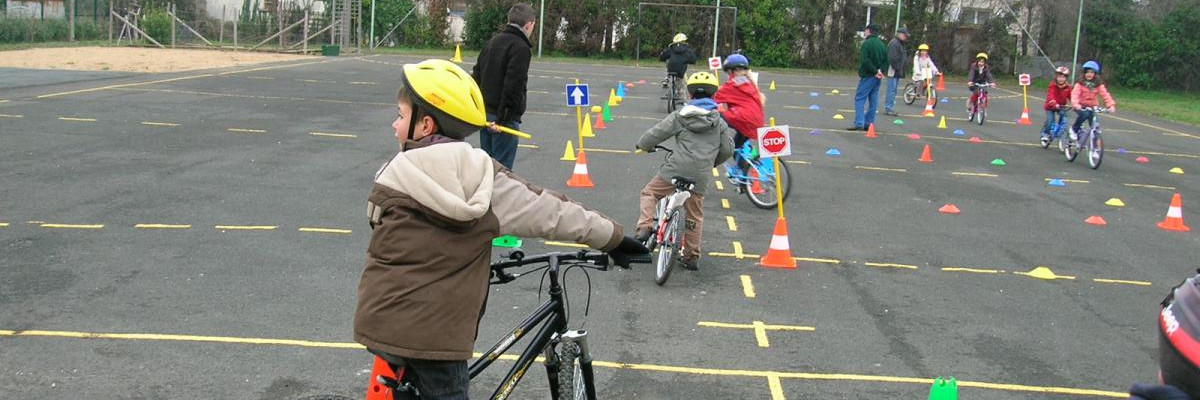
873,60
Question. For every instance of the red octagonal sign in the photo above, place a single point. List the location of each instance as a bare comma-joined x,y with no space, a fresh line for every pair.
773,141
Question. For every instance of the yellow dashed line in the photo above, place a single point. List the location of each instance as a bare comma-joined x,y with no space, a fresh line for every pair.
1138,185
184,338
1123,282
818,260
974,174
565,244
776,387
3,224
589,149
246,227
732,224
890,265
737,250
725,203
529,146
760,334
715,173
336,135
747,287
72,226
797,162
159,123
880,169
161,226
241,130
364,83
73,119
259,77
11,116
4,101
720,185
973,270
325,230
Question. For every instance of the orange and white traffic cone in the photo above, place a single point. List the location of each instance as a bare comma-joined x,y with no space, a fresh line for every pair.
599,126
1174,219
1025,117
779,254
580,177
375,389
929,108
941,82
871,131
755,183
926,155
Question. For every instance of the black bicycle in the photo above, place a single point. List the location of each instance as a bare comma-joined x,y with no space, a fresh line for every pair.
674,86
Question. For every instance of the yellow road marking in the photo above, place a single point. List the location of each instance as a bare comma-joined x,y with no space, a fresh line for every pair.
801,162
246,227
725,203
11,116
1124,282
974,174
606,364
1138,185
890,265
818,260
776,387
242,130
72,226
973,270
565,244
159,123
364,83
715,173
182,78
248,96
73,119
529,146
324,230
161,226
314,81
760,334
590,149
336,135
4,101
737,250
259,77
760,329
880,169
748,287
719,184
3,224
732,224
1069,180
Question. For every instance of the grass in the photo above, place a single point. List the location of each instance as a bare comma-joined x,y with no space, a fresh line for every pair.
32,45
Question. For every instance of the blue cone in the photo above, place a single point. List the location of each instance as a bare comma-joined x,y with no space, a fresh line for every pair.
833,152
959,132
945,100
814,107
814,132
620,89
1057,182
813,94
1121,150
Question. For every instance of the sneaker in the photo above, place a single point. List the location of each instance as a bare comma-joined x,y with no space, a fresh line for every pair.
1074,136
855,128
690,263
1045,140
891,113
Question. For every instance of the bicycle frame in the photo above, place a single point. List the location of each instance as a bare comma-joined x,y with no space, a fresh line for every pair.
674,201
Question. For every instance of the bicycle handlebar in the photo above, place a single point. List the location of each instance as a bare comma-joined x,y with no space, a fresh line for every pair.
518,259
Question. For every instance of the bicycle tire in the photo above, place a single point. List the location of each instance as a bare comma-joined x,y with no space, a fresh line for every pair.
767,201
910,93
933,93
570,373
1071,151
671,248
1062,138
981,115
1095,150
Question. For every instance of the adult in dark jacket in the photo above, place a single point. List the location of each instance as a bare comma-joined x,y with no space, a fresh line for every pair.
502,72
897,64
873,61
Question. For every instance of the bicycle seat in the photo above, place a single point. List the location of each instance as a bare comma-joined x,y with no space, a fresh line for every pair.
683,183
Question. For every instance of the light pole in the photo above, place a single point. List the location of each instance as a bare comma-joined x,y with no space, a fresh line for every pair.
1078,28
371,42
541,23
716,25
897,29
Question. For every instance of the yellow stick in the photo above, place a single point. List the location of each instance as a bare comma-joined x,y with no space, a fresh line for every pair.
579,120
1025,94
778,184
513,132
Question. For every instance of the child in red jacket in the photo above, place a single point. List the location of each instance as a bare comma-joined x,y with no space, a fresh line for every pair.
741,104
1058,100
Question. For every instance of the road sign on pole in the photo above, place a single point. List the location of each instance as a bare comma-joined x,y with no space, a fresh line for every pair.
714,63
774,141
577,96
1024,79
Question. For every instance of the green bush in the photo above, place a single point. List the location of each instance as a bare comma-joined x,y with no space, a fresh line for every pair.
157,24
484,20
17,30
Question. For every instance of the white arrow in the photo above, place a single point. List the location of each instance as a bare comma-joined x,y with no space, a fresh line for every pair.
578,95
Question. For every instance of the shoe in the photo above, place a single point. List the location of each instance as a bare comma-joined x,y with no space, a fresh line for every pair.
854,128
1074,136
1045,140
891,113
691,263
642,235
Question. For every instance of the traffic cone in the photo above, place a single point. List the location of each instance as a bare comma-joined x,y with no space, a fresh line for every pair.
944,389
975,139
914,136
608,113
580,177
612,98
929,109
375,389
1174,219
871,131
949,209
569,152
1025,117
779,254
599,126
457,53
772,88
586,129
941,82
621,89
755,183
942,123
926,155
1096,220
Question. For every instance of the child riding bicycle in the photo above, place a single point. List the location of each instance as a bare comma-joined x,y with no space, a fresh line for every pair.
702,141
1058,100
1086,94
979,77
677,55
741,104
433,211
923,69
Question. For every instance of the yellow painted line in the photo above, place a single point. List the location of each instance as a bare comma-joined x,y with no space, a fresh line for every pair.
3,224
725,203
732,255
529,146
748,287
241,130
719,185
880,168
248,96
801,162
259,77
11,116
4,101
737,250
182,78
159,123
776,387
1069,180
715,173
890,265
314,81
754,324
161,226
72,226
973,270
818,260
760,334
1123,282
324,230
246,227
1138,185
607,364
974,174
73,119
590,149
565,244
732,224
336,135
364,83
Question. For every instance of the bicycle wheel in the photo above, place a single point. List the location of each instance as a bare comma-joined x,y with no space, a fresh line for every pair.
1072,150
981,115
910,93
1095,150
669,249
570,375
934,94
763,196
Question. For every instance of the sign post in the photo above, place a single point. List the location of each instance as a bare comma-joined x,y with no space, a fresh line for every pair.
577,96
1025,81
774,142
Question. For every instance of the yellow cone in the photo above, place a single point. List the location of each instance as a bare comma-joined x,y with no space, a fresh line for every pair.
1115,202
772,86
838,116
1044,272
586,129
942,124
612,98
457,53
1176,170
569,153
834,91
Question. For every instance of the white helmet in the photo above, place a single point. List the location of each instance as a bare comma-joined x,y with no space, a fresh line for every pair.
679,37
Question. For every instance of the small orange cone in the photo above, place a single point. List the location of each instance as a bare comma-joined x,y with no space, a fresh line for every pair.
929,108
755,183
941,82
949,209
926,155
376,390
1096,220
975,139
1025,117
599,126
1174,219
871,131
580,177
779,254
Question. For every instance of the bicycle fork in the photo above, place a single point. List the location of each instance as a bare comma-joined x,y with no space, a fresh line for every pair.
554,366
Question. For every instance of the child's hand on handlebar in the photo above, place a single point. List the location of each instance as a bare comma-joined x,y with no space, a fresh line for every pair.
629,251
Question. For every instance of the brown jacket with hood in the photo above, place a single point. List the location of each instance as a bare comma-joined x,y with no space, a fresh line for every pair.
434,210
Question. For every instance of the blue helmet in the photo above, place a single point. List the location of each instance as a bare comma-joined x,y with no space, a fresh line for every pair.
1092,65
736,60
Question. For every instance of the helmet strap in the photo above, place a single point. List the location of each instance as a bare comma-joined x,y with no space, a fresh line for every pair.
412,120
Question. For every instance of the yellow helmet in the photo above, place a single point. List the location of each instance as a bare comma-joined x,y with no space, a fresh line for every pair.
446,92
923,47
981,55
679,37
703,84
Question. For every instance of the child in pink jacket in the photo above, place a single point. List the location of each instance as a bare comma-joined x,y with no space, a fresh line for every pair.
1086,94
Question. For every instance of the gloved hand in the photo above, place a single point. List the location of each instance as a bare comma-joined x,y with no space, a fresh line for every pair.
1053,104
629,251
1142,391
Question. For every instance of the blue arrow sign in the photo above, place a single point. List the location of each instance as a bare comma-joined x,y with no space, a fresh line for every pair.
577,96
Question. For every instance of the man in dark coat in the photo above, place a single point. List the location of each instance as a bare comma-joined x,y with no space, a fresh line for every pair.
897,64
502,72
873,62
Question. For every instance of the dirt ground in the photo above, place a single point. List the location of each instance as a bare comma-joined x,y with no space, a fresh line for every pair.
133,59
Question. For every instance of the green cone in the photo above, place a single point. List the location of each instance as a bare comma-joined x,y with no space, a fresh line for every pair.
944,389
898,121
607,113
507,241
999,162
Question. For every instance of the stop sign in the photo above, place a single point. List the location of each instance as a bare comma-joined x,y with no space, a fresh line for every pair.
1023,79
714,63
773,141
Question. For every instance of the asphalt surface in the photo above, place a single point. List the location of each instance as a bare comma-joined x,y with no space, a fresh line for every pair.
237,166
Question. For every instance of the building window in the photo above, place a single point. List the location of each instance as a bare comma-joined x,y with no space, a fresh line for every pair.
976,16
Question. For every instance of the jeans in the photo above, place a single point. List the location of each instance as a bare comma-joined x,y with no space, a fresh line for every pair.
889,102
1053,118
501,146
434,379
654,191
867,93
1081,117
